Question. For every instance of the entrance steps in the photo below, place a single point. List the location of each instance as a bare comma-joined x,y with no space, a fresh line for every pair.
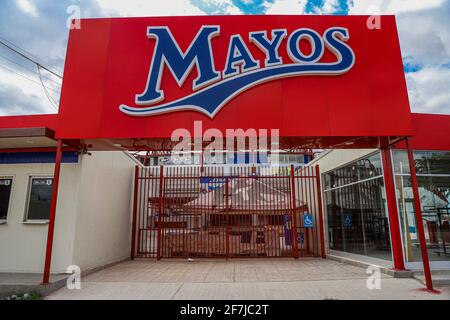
365,264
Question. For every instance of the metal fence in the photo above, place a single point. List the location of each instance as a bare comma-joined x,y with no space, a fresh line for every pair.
227,211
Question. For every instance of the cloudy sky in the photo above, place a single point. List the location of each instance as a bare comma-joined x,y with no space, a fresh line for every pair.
38,28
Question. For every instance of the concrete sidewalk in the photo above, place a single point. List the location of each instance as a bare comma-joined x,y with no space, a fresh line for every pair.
268,279
20,283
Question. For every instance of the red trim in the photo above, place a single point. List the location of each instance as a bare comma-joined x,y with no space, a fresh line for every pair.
51,226
391,197
29,121
419,219
321,224
431,132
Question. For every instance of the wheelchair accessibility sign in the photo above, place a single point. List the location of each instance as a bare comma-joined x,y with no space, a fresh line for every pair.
347,220
308,221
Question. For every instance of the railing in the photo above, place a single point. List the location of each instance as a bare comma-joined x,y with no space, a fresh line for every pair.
229,212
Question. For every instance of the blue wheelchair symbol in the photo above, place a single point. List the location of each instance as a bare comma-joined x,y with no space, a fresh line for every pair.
308,221
347,220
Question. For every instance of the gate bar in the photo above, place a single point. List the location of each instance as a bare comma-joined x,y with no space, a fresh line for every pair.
135,204
227,219
160,215
320,209
294,214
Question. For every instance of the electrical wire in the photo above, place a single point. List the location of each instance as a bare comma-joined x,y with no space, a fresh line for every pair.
11,46
29,69
28,78
49,97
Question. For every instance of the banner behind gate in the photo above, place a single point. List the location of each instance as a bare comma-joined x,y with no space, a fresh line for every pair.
314,76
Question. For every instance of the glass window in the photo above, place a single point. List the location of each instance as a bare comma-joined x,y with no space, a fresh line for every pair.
356,171
5,195
439,162
433,171
356,208
426,162
39,198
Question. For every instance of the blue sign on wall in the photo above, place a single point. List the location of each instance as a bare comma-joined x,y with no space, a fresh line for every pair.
347,219
308,221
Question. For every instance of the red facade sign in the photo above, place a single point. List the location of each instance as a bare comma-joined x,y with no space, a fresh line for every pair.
109,65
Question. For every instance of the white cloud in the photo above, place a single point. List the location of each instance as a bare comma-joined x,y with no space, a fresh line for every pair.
423,28
328,7
392,6
230,8
21,96
148,8
27,7
286,7
217,7
428,90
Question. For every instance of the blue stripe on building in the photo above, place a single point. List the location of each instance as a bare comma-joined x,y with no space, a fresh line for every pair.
36,157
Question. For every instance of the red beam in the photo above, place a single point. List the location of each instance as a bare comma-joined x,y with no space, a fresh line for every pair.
419,219
51,225
391,198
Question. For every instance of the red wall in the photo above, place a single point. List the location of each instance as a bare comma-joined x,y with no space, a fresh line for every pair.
108,61
431,132
30,121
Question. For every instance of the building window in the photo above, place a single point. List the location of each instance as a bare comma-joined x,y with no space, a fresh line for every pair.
433,177
39,198
355,201
5,196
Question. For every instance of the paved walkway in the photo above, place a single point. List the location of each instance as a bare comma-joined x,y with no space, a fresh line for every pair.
241,279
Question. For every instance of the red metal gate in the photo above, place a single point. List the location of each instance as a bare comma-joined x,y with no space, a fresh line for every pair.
227,211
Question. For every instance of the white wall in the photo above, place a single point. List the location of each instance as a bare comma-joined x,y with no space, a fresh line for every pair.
93,217
338,157
22,246
103,224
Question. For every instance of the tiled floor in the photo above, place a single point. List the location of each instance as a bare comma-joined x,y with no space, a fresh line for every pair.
241,279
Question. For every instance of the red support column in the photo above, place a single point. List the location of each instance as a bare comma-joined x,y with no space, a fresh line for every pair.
51,224
294,214
391,198
135,205
419,220
319,204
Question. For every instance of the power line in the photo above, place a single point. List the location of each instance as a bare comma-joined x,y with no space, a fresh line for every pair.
52,102
21,49
29,69
27,53
28,78
25,56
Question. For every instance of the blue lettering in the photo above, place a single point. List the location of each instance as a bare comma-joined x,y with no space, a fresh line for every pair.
316,44
238,54
167,52
270,48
